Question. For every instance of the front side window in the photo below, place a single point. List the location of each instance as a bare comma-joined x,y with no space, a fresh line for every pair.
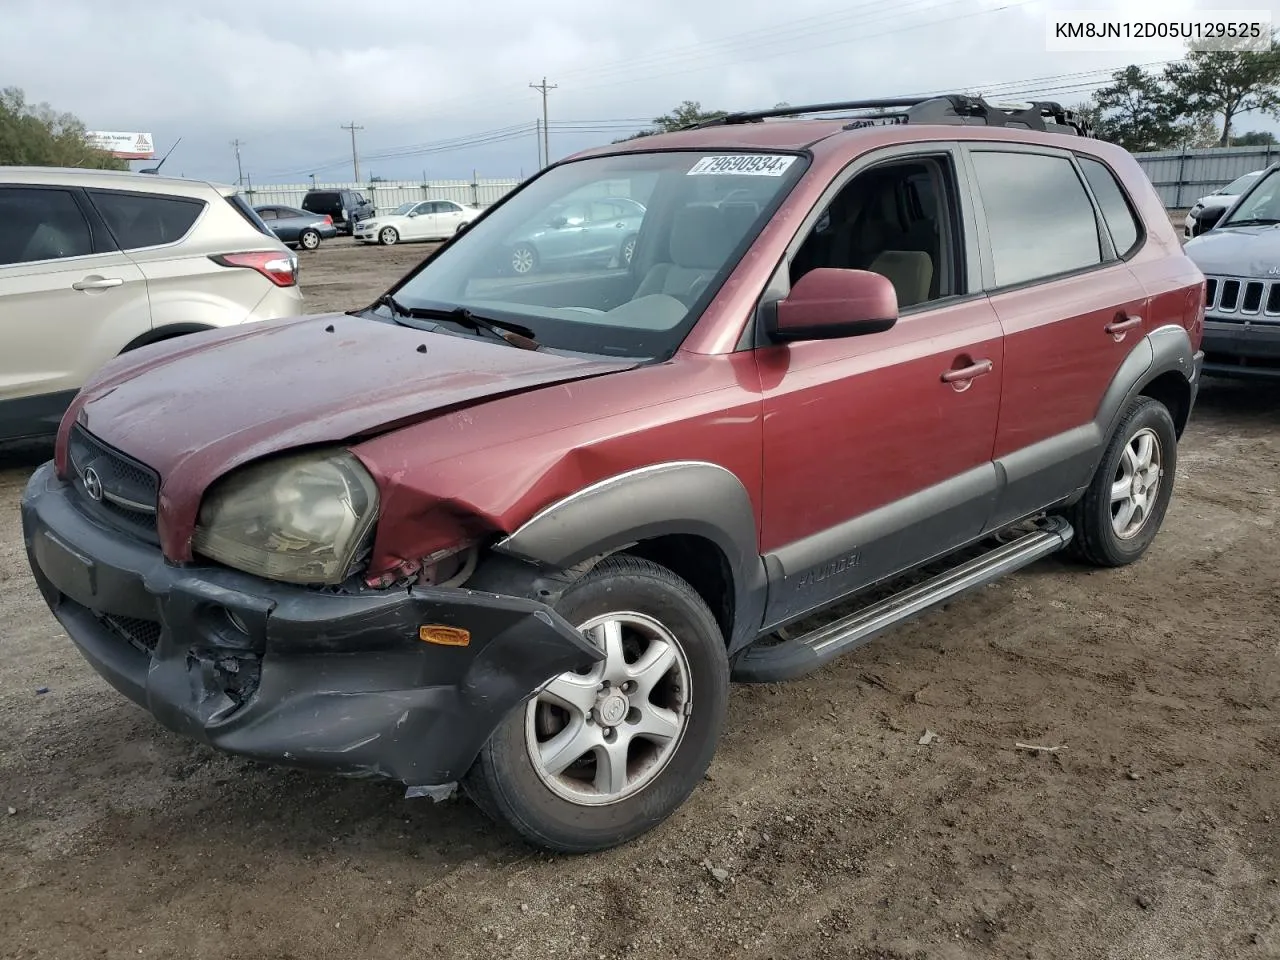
1239,185
630,286
146,219
39,224
1260,206
892,220
1040,219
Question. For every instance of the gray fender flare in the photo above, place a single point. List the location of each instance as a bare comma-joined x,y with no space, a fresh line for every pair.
689,497
1166,349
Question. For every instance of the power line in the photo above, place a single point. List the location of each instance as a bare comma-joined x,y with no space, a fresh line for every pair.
355,157
546,147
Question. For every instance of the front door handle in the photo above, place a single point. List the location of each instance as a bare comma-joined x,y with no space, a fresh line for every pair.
1118,328
97,283
961,378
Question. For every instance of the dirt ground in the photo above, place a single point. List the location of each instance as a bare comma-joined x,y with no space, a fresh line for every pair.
1151,833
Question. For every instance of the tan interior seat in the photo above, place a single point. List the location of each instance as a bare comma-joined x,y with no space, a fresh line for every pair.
698,247
910,272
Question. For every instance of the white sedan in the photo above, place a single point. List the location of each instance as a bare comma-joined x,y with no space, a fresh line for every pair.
418,220
1220,198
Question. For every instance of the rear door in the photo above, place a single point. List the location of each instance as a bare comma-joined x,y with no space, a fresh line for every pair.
1071,311
69,301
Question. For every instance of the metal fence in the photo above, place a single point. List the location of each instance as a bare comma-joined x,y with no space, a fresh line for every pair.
389,194
1182,177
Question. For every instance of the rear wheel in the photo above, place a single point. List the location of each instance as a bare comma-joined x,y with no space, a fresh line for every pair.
599,757
1121,512
388,236
628,251
309,239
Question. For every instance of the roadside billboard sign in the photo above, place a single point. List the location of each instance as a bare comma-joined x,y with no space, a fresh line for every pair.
125,146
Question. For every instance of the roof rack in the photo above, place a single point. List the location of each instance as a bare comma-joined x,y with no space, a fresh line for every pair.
954,109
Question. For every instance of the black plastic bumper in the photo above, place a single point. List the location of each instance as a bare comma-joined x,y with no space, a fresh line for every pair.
1237,349
286,674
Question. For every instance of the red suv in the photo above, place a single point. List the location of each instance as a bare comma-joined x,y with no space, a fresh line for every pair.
520,533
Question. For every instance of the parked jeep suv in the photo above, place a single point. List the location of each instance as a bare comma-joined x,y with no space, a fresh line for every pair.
97,263
1240,256
521,534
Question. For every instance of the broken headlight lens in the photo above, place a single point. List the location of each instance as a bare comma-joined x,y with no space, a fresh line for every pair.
301,518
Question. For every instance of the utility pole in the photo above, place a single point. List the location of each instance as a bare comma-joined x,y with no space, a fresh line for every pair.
537,139
545,88
355,157
236,145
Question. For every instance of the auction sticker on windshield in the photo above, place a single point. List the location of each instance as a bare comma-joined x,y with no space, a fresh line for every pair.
742,165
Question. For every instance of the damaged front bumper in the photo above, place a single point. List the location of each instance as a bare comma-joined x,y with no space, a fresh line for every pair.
303,677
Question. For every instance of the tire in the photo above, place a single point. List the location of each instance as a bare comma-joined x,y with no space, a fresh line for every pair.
461,227
581,808
309,239
1122,510
627,251
524,259
388,236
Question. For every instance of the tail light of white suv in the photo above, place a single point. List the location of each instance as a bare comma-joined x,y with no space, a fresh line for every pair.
281,269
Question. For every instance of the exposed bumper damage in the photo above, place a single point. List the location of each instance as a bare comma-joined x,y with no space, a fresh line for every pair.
308,678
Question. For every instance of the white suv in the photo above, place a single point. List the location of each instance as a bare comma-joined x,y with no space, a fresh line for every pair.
94,263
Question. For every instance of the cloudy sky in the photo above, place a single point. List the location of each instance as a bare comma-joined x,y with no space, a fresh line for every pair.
441,88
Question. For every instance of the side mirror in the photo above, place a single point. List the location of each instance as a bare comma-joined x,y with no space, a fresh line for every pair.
828,302
1208,217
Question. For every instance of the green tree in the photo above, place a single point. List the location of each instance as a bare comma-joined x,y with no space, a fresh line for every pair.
1226,84
37,135
687,114
1255,138
1137,111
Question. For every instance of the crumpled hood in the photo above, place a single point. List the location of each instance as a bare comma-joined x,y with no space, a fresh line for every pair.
1238,252
196,407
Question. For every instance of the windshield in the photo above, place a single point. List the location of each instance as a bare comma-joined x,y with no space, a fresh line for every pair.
1238,185
614,256
404,208
1260,205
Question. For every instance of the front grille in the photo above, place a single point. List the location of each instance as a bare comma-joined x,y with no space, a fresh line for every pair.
114,489
142,634
1236,295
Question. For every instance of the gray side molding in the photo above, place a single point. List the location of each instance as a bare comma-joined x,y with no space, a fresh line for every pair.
689,497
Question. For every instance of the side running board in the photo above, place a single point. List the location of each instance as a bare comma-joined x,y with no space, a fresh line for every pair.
800,655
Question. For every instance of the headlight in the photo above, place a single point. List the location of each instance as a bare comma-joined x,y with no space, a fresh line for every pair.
301,518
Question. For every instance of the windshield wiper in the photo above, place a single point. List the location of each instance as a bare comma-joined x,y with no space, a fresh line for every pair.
512,333
397,308
1253,222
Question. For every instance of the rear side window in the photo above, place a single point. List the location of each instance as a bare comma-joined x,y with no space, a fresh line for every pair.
321,202
1040,220
146,219
41,224
242,207
1116,210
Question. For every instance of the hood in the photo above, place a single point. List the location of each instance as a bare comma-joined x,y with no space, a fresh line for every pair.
1238,252
198,406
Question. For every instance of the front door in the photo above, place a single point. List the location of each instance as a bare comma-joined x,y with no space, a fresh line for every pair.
1071,311
877,448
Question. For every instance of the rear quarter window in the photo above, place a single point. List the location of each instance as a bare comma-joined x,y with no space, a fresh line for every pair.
146,219
1116,209
242,207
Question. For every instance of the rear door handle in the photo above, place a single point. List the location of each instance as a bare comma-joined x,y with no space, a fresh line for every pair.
1119,328
965,374
97,283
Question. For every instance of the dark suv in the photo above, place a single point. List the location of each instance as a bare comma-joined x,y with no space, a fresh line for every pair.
520,534
346,207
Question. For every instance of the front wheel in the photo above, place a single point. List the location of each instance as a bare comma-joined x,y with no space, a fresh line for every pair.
1121,512
599,757
524,259
388,236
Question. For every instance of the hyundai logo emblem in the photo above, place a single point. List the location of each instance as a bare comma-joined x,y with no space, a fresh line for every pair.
93,484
